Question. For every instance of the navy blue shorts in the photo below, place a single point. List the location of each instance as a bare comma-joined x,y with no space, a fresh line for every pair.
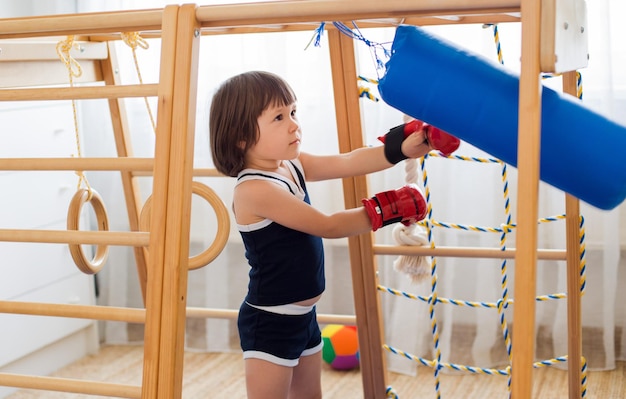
278,338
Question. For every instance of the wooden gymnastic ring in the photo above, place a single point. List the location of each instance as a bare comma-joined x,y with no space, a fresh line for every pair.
73,217
223,224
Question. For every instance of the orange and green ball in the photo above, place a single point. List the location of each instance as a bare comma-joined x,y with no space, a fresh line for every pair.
341,346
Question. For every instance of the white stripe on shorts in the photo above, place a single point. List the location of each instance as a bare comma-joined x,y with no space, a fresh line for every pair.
288,309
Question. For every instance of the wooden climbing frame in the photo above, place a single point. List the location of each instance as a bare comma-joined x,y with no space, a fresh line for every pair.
161,244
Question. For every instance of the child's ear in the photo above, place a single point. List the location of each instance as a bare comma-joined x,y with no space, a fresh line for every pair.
242,145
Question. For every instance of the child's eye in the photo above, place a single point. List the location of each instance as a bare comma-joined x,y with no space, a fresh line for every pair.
279,117
293,112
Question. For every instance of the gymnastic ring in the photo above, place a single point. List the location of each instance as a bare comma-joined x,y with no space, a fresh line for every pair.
223,224
73,217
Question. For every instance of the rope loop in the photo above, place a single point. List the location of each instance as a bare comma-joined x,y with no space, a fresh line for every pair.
87,194
134,40
64,48
74,70
82,179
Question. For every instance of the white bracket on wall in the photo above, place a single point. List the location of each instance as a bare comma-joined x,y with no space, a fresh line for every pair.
564,44
22,60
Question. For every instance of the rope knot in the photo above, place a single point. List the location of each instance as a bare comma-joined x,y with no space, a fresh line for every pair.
83,179
391,393
64,47
134,40
417,268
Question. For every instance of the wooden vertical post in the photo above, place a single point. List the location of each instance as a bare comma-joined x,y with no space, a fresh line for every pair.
574,318
178,216
362,260
156,258
529,134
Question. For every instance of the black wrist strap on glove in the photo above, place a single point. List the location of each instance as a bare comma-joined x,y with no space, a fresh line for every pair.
393,145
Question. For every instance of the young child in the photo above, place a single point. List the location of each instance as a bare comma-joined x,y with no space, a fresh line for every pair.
255,136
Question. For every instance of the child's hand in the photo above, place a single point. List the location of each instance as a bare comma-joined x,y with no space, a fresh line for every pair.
406,205
416,145
415,139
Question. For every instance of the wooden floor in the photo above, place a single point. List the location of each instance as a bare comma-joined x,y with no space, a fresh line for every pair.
220,375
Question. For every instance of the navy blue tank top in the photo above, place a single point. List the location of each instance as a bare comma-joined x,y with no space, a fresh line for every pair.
286,265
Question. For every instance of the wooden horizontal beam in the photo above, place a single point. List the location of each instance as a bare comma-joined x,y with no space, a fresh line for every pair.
132,315
91,312
81,23
127,238
463,252
70,385
281,12
79,93
82,164
419,20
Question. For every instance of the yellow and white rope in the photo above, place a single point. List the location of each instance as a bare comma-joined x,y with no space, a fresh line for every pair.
87,194
134,41
74,70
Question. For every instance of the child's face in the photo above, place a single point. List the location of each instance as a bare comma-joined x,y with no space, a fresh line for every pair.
279,134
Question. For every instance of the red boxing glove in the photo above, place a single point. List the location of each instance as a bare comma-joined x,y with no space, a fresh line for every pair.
437,139
406,205
442,141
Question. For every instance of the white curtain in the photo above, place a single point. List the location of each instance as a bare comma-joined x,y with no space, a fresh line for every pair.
462,193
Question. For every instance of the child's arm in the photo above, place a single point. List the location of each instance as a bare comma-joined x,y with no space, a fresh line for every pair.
410,140
256,200
358,162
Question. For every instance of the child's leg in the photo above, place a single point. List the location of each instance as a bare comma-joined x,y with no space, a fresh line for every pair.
306,382
266,380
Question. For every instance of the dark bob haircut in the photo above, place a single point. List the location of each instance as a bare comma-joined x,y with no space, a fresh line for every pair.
235,109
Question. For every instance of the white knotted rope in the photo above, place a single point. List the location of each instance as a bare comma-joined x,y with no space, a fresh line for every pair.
417,268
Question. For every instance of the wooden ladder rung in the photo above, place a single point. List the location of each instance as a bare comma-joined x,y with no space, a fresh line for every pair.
128,238
79,93
82,23
464,252
82,164
70,385
91,312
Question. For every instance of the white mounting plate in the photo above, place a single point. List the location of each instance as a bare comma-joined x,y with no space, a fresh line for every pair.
564,45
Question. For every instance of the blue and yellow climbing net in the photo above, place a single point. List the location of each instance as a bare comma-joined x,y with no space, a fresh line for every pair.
429,224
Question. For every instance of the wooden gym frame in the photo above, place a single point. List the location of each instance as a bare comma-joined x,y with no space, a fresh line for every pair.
163,273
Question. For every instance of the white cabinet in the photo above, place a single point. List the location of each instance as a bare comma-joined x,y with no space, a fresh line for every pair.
24,334
39,272
43,129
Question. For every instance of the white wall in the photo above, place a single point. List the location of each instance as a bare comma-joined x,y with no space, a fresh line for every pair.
24,8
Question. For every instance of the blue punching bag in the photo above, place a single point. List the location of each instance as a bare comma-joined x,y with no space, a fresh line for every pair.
475,99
